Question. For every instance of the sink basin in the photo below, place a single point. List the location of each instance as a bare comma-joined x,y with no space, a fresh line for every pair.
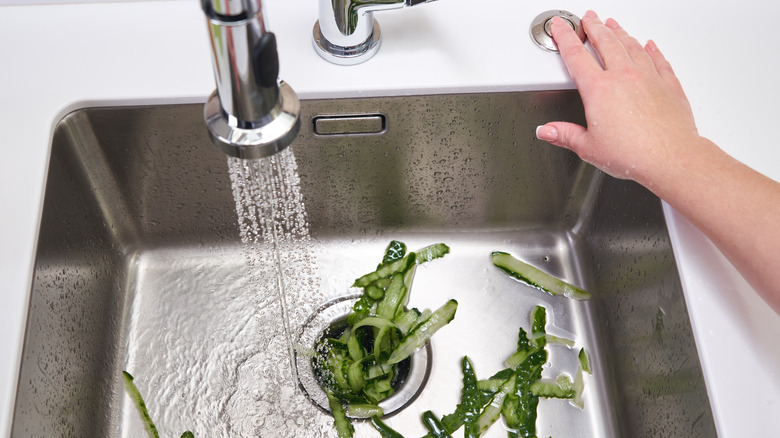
140,267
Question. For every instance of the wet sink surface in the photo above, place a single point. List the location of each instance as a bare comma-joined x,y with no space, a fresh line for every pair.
140,267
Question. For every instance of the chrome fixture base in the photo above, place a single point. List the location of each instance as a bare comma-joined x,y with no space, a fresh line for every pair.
280,129
346,32
540,28
346,55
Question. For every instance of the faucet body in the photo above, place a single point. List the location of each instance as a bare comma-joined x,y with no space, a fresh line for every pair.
346,32
251,114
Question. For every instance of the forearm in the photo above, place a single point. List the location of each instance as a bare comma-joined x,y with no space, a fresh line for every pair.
735,206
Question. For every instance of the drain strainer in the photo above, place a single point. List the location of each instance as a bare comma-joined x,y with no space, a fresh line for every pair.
329,320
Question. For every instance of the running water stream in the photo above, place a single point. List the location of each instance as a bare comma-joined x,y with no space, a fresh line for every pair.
280,260
213,331
272,223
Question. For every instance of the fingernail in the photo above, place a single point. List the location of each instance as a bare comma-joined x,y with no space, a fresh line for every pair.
547,133
612,24
651,46
559,23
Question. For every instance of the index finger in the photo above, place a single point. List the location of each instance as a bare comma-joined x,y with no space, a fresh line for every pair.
577,58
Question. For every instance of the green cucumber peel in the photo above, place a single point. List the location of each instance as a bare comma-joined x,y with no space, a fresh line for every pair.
359,368
395,251
490,385
380,370
494,383
523,419
535,277
516,359
393,298
374,321
386,271
344,428
550,339
492,411
435,428
140,406
584,360
431,252
538,321
471,402
355,376
561,387
384,430
374,292
407,320
579,389
423,332
356,351
363,410
514,392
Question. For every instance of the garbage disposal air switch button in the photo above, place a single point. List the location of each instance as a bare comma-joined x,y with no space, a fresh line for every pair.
540,28
548,25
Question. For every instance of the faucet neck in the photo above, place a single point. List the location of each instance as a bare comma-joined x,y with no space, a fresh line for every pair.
353,19
251,114
244,59
231,10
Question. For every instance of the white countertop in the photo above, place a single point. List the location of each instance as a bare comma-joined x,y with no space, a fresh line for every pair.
60,57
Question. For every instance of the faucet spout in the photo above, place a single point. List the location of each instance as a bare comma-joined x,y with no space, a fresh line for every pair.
251,114
346,32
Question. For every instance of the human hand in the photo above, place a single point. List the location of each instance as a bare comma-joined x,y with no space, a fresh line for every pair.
637,114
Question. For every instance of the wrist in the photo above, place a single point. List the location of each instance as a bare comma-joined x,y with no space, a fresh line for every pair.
677,163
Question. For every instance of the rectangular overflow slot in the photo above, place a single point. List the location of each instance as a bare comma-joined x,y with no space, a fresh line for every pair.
357,124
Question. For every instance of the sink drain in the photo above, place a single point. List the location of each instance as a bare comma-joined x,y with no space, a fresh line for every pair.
330,321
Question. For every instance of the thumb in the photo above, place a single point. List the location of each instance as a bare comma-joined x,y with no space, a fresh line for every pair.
564,134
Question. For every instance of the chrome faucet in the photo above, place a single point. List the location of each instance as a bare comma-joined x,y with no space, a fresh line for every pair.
346,32
251,114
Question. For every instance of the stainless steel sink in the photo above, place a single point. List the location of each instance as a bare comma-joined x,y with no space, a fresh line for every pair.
140,267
